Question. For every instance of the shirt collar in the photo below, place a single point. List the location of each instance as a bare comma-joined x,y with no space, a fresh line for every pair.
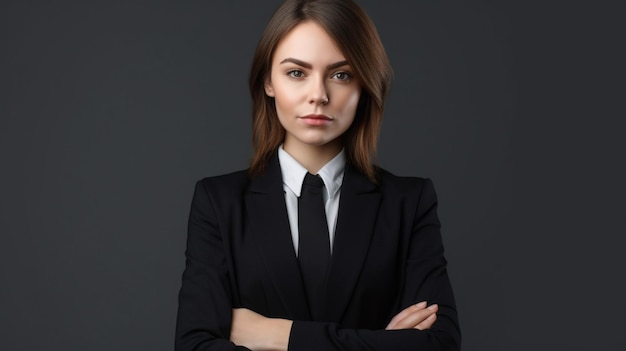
293,172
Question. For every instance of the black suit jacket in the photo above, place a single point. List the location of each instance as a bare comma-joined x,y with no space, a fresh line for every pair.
387,255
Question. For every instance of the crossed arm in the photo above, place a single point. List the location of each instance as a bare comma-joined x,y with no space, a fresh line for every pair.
207,321
259,333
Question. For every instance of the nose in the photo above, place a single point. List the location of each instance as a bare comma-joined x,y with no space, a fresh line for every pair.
318,95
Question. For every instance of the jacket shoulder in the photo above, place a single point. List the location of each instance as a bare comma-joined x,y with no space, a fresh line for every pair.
225,186
230,179
391,182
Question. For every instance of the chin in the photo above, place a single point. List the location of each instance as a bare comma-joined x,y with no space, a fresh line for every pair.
317,141
314,139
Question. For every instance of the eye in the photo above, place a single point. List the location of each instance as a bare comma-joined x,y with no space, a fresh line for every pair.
295,73
342,76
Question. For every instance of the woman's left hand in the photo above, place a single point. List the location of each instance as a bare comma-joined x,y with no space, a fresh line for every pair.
259,333
419,316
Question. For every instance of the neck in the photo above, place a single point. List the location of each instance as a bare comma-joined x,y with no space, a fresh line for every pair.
313,157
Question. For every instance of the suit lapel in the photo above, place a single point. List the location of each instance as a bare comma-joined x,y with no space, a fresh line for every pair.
358,208
269,224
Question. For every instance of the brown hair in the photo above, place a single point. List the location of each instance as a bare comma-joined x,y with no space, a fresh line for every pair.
355,34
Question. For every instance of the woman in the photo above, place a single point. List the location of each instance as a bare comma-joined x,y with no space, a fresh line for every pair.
313,247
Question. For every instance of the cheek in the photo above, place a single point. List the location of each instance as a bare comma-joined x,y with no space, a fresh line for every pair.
350,102
286,99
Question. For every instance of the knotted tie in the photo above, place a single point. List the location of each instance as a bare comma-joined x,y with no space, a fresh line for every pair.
314,246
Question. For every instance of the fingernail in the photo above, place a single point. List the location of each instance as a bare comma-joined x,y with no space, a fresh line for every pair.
421,304
432,307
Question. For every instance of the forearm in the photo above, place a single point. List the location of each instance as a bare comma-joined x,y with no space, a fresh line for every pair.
313,336
279,331
260,333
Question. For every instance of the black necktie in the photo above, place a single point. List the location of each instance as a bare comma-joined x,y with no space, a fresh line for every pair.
314,245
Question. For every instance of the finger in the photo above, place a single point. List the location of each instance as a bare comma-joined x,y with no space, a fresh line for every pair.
415,318
427,323
404,313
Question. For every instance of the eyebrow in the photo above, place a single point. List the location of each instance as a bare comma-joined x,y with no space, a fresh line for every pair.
309,66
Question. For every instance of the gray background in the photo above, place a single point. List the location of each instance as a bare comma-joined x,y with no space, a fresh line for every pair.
111,110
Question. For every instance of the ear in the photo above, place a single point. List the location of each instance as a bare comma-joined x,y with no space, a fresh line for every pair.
269,89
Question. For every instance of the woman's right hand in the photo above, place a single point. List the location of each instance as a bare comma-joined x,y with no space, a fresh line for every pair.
417,316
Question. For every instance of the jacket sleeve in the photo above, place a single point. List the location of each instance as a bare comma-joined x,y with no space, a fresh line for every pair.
426,279
205,299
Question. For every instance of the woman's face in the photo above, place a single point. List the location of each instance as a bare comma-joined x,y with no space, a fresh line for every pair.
315,92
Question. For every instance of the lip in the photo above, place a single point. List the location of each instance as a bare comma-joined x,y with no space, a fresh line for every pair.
316,120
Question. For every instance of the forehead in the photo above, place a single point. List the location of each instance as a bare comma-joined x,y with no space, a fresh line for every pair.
309,42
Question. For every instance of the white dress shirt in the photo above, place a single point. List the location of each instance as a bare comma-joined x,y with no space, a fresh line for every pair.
293,175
